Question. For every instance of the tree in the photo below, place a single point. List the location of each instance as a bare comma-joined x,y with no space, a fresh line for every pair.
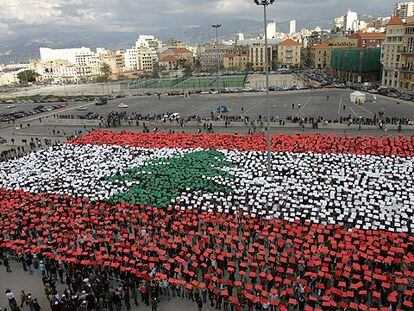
249,67
106,71
156,71
27,76
188,71
159,181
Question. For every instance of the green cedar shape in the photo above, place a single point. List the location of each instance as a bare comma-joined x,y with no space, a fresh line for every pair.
162,180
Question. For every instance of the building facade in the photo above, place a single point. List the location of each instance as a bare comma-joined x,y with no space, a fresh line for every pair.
369,39
169,62
320,56
391,53
403,10
289,53
406,74
212,56
257,56
237,61
140,59
356,65
343,42
47,54
271,29
292,26
183,55
9,78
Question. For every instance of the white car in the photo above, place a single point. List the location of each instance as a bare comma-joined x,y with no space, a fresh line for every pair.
10,106
175,116
122,105
82,108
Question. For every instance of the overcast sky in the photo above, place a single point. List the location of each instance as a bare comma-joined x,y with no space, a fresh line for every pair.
146,16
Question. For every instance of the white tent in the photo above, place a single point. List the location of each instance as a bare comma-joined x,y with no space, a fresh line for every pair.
358,97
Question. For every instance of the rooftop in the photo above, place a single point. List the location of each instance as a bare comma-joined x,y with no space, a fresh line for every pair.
322,45
288,42
181,51
168,58
395,21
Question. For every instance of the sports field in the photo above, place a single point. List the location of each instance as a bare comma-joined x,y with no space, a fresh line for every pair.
191,83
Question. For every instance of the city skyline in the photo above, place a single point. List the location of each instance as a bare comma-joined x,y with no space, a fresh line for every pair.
19,17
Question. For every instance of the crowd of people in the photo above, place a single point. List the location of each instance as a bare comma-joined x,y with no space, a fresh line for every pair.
116,119
13,153
112,253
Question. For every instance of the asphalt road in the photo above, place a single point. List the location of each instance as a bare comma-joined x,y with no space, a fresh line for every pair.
23,107
283,104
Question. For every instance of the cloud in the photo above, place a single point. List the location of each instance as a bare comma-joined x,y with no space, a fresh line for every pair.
155,15
4,29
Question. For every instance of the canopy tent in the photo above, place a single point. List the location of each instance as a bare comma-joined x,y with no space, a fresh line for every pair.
358,97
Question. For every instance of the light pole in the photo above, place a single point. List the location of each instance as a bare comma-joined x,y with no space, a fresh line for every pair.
216,27
265,3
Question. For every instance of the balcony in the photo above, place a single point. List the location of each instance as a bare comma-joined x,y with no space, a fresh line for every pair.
407,68
406,50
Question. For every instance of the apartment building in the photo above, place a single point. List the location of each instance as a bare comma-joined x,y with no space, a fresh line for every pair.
320,56
289,53
406,72
257,56
237,60
403,10
391,52
369,39
212,55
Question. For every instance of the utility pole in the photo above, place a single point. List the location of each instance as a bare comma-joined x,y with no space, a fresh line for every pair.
216,27
266,3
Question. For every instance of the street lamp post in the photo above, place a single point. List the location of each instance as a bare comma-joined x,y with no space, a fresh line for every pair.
216,27
265,3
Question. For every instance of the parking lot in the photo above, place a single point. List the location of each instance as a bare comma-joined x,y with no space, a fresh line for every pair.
330,104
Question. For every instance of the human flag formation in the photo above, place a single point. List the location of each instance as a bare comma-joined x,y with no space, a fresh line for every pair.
336,217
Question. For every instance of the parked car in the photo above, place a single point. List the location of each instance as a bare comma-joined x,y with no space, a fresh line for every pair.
102,101
3,140
406,97
175,116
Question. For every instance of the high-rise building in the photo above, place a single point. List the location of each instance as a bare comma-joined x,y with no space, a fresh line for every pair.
239,37
351,21
404,9
339,22
292,25
271,30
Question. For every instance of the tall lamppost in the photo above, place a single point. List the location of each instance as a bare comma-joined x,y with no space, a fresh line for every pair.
265,3
216,27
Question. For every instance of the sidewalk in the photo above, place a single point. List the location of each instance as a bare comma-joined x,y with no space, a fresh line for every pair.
32,283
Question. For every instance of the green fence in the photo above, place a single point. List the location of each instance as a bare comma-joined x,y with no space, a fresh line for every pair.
189,83
356,60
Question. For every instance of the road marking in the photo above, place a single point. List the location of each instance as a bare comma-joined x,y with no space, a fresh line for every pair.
303,107
339,108
259,103
354,112
364,109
